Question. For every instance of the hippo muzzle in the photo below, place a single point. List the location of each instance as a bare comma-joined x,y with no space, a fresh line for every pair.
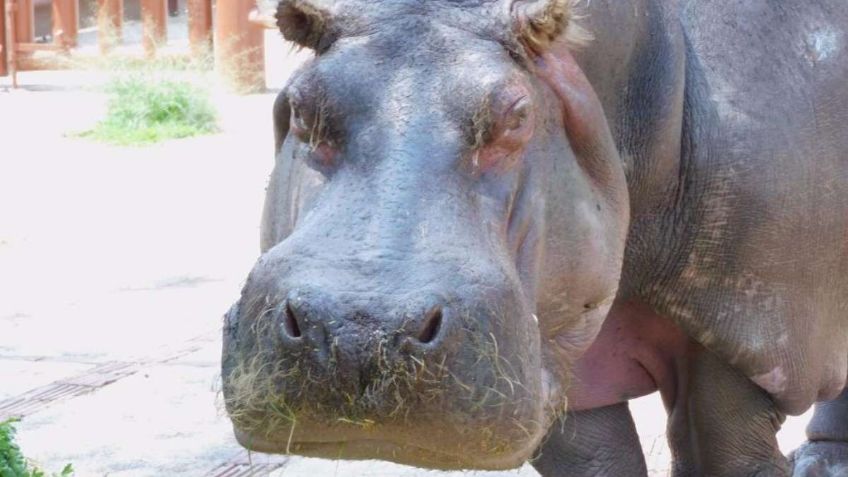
323,358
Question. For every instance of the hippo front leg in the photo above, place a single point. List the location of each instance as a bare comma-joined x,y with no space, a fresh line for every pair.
826,452
594,443
721,423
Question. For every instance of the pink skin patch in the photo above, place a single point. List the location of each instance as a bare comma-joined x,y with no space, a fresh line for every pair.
774,382
633,355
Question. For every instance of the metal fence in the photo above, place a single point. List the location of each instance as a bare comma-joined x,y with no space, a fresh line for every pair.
230,31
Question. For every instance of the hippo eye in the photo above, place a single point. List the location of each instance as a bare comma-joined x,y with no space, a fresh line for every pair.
319,149
308,125
298,122
517,115
506,137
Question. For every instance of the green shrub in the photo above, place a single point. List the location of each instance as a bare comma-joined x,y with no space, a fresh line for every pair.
12,461
144,108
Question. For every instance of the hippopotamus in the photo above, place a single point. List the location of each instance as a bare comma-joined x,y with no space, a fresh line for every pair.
491,223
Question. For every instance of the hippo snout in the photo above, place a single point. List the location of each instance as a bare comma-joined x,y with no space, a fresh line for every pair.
358,348
428,371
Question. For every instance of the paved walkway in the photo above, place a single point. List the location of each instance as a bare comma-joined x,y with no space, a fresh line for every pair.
115,267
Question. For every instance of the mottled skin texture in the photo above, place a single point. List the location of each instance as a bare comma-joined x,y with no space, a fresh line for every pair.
679,212
738,224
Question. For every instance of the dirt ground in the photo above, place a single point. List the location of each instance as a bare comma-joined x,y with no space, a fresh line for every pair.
116,265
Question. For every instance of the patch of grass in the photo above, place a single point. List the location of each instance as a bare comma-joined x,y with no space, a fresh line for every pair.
12,461
145,108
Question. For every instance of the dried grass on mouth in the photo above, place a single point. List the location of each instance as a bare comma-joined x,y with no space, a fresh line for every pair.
267,395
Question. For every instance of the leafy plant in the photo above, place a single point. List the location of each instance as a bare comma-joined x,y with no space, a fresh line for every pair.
145,108
12,461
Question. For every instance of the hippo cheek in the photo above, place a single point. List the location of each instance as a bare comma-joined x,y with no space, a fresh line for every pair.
229,343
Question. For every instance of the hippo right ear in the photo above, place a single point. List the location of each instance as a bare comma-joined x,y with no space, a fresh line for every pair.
304,22
538,23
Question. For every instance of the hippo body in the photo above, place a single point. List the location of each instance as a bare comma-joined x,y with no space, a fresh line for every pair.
670,213
720,238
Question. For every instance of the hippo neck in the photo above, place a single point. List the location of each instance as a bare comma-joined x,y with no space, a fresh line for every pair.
640,79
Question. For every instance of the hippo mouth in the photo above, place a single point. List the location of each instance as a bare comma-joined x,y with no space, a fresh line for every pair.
351,447
431,440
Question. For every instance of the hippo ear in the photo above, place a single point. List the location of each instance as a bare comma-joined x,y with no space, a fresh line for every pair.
538,23
303,22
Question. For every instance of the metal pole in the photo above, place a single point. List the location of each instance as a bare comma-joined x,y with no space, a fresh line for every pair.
110,21
154,19
24,16
11,59
65,22
24,21
239,46
4,46
200,27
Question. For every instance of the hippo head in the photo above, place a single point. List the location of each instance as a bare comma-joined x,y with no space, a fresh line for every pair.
442,234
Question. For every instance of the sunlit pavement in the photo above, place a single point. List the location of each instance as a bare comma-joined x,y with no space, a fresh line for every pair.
116,265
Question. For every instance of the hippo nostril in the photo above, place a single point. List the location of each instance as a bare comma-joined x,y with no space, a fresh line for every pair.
432,325
290,325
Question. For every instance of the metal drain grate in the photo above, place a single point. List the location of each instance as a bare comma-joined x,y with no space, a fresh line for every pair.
245,470
34,400
38,398
92,380
103,374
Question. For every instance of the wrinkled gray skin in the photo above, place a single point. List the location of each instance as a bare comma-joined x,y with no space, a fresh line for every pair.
720,230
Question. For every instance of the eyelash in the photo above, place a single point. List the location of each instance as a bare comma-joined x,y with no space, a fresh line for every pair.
314,132
498,140
486,129
316,149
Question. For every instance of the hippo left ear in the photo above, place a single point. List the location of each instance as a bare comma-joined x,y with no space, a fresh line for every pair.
538,23
304,22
